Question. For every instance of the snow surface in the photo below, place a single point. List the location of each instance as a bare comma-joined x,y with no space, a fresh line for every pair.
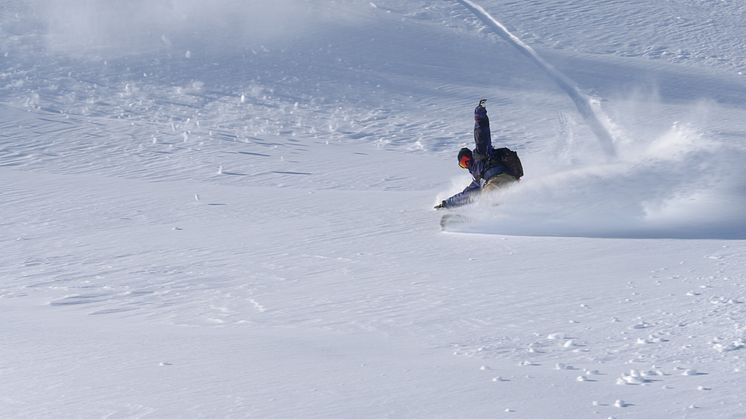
225,209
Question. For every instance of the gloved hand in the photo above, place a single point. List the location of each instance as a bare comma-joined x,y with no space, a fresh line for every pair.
441,205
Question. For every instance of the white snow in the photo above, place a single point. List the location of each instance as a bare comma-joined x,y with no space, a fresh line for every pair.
225,209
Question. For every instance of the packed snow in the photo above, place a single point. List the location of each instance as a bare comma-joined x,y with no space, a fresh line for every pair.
226,209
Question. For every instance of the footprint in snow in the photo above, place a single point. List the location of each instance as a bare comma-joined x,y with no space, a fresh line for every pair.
561,366
638,377
692,372
528,364
621,404
729,347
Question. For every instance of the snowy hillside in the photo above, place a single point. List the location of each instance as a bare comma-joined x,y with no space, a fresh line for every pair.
225,210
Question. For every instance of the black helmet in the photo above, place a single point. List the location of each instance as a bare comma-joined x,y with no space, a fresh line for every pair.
464,157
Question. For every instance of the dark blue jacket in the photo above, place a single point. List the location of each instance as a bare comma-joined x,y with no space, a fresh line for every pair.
481,170
482,136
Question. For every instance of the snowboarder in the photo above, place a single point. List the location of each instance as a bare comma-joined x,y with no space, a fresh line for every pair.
484,163
489,174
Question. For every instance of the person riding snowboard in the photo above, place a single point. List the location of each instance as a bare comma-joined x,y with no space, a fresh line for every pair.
488,173
491,168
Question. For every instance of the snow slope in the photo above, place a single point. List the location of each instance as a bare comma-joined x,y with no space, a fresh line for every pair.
225,210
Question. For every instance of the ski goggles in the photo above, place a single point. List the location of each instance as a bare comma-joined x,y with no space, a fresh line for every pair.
464,162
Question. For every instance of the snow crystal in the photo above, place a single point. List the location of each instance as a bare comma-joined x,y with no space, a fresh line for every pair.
735,345
526,364
592,372
633,377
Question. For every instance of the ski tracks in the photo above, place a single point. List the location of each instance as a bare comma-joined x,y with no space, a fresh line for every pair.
591,113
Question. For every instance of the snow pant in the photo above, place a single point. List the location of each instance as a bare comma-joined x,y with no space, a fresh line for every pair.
497,182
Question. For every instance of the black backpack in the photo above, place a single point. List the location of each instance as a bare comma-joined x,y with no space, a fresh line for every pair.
509,159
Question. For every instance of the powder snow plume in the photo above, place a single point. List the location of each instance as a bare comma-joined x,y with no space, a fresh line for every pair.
682,184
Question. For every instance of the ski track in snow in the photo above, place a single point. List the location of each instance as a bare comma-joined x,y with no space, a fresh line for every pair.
273,202
582,103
